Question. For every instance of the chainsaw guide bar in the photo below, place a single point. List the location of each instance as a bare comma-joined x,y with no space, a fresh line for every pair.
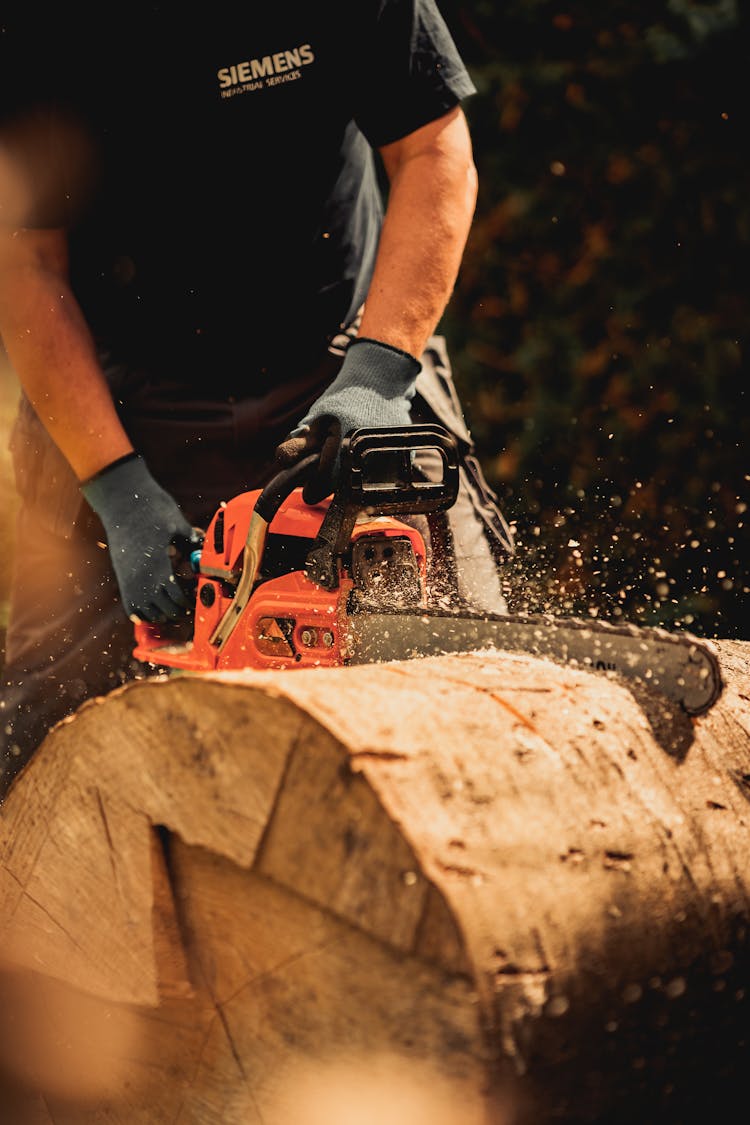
683,668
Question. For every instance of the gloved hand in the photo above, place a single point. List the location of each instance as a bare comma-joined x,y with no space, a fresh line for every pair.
374,388
141,522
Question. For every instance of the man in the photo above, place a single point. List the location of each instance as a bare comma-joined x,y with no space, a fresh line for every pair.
197,284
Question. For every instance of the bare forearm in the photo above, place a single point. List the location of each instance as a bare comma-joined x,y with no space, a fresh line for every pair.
429,214
51,350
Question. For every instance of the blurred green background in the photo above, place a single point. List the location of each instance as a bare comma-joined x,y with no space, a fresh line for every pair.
598,328
599,325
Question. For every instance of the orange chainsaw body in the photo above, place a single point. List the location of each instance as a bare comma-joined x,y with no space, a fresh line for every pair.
289,621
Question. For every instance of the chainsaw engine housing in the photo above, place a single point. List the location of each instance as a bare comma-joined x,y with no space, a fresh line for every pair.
289,620
279,579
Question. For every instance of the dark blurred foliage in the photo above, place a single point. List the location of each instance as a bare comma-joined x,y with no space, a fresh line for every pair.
598,329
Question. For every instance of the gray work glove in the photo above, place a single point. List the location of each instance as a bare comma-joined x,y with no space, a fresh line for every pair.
141,522
374,388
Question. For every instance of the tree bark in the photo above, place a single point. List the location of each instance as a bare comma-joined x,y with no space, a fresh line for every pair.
461,890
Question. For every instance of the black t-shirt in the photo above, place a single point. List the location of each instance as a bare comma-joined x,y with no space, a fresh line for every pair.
216,171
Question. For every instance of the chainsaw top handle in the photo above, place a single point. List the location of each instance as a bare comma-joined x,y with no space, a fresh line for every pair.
381,471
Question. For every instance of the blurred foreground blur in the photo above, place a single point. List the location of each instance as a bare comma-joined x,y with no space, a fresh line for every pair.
59,1044
375,1090
8,500
65,1052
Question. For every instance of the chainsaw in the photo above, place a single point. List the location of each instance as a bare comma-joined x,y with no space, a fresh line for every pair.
279,583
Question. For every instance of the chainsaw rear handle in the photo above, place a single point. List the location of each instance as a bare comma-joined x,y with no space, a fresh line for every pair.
380,474
184,556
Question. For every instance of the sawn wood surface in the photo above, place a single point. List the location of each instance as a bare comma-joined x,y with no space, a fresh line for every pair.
469,889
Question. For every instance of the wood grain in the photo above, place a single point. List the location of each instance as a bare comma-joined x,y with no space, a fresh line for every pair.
518,884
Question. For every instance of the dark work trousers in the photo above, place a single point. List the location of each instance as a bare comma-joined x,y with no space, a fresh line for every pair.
68,637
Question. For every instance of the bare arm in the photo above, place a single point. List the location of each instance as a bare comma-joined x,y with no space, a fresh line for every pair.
433,191
50,347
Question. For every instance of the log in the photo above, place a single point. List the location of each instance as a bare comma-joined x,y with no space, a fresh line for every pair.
477,889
